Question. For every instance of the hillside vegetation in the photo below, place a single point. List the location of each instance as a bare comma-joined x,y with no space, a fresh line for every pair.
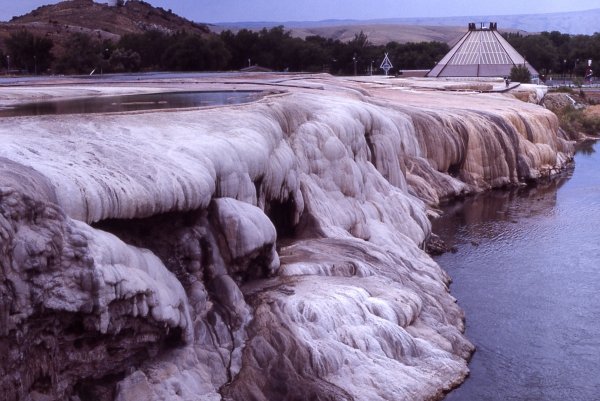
59,21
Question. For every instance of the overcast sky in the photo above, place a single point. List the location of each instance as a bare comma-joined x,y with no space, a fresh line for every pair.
314,10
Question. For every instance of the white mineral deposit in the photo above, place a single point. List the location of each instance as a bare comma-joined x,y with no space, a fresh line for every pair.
265,251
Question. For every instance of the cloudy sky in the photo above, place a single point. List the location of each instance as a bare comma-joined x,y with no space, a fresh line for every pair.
314,10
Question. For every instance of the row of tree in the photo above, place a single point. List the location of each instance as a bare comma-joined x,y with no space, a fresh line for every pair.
556,54
549,52
27,52
277,49
272,48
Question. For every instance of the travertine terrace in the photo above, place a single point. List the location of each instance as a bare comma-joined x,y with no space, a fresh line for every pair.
265,251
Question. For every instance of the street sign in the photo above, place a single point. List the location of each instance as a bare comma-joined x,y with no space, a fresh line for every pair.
386,64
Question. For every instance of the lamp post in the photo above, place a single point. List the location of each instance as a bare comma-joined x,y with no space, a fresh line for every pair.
565,72
354,60
372,61
35,65
7,64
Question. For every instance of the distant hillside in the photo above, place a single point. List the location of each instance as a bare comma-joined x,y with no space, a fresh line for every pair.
59,20
576,22
428,29
378,34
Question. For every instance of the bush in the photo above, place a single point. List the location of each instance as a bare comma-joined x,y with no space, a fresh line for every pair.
563,89
122,60
520,73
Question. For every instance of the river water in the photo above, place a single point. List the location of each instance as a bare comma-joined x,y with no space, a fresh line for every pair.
527,274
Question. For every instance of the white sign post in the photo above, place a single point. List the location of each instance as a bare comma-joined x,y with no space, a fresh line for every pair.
386,64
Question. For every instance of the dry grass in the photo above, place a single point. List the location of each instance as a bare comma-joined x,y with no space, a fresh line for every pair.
592,112
576,121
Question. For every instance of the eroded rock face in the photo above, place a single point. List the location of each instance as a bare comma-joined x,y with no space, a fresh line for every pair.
266,251
78,306
212,252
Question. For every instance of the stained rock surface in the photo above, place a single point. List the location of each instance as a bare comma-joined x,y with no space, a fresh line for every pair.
265,251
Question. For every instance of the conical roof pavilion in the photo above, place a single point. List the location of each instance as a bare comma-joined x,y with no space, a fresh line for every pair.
481,52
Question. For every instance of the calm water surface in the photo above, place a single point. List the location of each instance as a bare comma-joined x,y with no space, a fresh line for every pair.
527,274
146,101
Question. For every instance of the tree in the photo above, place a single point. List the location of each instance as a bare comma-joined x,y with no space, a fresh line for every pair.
520,73
29,52
150,45
122,60
321,54
276,48
304,55
558,53
272,48
360,42
190,52
357,54
416,56
538,50
82,54
242,47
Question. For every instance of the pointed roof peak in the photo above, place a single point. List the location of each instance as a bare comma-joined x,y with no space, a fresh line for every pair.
481,52
483,26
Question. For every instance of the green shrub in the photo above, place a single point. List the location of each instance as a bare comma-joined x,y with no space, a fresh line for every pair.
520,73
562,89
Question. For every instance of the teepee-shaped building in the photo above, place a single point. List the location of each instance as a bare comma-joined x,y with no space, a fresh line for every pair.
481,52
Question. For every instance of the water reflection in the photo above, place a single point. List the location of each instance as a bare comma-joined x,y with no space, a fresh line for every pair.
586,148
477,217
526,272
146,101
